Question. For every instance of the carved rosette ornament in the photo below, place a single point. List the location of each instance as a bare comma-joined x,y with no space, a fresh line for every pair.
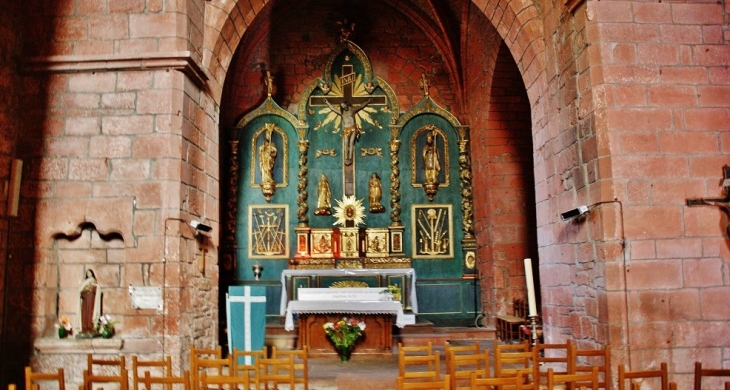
395,206
467,198
303,209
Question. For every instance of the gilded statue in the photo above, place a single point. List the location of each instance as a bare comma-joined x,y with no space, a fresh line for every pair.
267,156
324,195
375,193
430,154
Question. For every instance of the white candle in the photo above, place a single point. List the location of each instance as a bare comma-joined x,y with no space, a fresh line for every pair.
530,288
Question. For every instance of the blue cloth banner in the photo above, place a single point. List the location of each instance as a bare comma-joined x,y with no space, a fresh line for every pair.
246,316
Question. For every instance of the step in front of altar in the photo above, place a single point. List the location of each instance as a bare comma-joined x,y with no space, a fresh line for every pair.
416,334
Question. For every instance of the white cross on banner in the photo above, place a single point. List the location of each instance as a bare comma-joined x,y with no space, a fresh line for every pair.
246,317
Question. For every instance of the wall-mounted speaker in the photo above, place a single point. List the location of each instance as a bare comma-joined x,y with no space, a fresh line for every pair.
16,171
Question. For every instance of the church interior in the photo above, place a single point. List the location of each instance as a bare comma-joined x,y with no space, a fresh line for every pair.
475,159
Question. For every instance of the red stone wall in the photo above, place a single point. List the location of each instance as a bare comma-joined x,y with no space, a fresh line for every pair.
504,194
664,109
121,152
10,84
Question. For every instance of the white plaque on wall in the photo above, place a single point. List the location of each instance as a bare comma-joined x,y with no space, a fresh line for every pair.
146,297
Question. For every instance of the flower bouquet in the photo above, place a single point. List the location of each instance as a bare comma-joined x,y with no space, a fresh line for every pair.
344,333
63,327
105,327
394,292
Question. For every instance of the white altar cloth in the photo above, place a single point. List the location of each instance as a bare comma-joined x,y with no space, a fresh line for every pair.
344,307
348,272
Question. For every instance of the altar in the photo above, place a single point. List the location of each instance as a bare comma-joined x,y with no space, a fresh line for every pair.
377,314
404,278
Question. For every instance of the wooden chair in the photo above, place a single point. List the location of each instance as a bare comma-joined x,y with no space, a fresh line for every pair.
510,359
301,365
660,373
497,383
443,384
460,349
217,367
167,382
197,354
273,372
102,370
462,368
415,368
227,382
600,358
161,367
553,356
574,380
32,379
248,361
507,326
711,372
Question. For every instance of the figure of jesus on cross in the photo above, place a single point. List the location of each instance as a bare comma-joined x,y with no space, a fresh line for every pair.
350,131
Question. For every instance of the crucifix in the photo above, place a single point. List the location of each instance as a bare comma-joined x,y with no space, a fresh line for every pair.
347,106
722,203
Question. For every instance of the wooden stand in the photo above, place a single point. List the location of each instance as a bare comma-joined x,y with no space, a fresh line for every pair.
376,340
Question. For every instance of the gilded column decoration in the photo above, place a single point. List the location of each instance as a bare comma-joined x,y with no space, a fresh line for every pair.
395,206
229,262
302,213
467,198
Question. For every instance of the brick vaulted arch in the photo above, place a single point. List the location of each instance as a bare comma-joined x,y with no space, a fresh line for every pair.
517,22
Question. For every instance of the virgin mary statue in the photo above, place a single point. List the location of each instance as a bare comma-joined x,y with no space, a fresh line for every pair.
89,308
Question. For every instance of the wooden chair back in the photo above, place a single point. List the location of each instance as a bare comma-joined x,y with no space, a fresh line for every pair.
509,359
273,372
426,349
102,371
624,375
248,361
32,379
462,368
583,361
553,356
217,367
97,366
167,382
301,364
510,383
442,384
419,367
705,372
227,382
582,380
460,349
160,368
90,380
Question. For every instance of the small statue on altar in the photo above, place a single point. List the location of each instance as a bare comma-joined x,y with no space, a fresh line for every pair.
375,194
324,195
89,306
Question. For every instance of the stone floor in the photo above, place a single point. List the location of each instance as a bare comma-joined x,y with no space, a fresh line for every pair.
361,372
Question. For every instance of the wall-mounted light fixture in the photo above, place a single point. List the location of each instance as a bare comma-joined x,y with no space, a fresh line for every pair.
578,211
197,225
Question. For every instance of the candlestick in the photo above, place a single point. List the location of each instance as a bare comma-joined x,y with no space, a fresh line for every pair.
530,288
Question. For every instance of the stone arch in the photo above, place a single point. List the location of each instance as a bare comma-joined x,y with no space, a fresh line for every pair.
517,22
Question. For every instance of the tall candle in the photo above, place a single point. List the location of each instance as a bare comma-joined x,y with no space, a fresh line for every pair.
530,288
